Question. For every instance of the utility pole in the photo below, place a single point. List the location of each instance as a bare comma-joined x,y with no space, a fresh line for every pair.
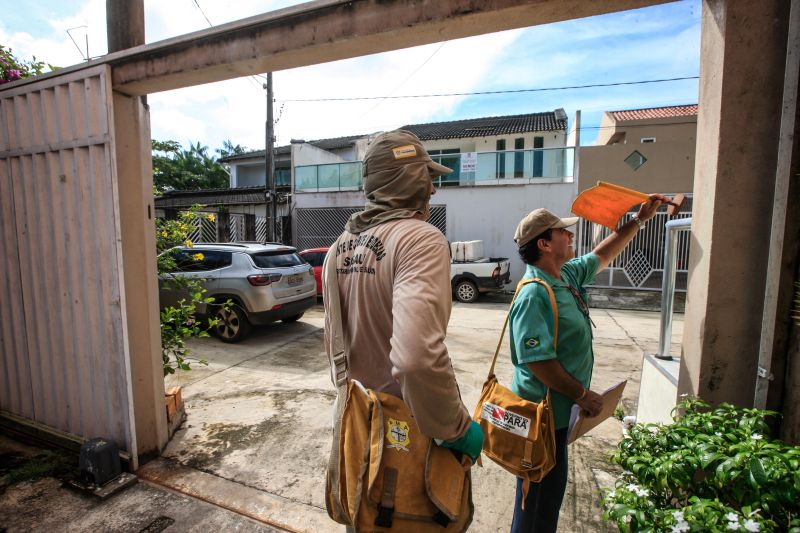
269,162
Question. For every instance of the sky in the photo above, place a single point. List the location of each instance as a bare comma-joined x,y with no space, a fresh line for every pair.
657,42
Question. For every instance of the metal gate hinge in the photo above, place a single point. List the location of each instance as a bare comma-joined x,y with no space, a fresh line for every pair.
762,373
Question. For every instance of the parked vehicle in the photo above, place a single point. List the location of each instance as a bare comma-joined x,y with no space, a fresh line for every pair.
315,257
264,283
472,274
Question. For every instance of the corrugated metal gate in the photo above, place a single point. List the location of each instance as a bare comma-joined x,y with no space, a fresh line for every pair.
320,226
64,358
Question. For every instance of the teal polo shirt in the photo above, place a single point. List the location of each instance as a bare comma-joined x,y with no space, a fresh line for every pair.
531,332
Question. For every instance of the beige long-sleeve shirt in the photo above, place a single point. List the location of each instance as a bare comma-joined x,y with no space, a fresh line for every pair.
394,286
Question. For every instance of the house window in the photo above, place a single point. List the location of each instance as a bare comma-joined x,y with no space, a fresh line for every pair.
635,160
538,157
519,157
500,146
647,140
450,158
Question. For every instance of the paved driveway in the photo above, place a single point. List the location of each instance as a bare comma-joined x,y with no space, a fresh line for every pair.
259,416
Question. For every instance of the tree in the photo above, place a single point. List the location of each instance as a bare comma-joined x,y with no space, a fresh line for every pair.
12,68
228,149
176,169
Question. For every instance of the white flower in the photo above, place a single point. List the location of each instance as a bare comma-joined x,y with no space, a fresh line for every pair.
732,517
641,492
681,527
678,516
752,525
733,526
756,436
754,512
718,434
633,487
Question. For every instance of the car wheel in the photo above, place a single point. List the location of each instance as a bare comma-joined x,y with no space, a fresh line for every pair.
232,324
293,318
466,291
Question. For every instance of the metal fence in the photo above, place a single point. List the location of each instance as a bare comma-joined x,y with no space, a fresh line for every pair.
317,227
641,265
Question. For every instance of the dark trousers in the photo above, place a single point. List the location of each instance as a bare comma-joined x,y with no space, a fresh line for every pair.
544,498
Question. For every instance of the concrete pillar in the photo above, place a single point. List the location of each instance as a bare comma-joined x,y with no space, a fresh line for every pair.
743,47
124,24
135,182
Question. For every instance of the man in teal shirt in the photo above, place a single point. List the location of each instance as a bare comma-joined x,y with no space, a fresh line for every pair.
564,365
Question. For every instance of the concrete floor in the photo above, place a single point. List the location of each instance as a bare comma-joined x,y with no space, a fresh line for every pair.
257,434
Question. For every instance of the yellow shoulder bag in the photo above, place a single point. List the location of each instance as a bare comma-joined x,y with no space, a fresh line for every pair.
518,435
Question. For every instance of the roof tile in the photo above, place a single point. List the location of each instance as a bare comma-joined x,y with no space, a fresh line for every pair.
490,126
655,112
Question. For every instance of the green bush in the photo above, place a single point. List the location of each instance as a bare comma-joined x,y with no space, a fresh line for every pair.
179,323
713,469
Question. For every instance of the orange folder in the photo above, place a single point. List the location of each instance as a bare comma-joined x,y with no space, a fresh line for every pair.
605,203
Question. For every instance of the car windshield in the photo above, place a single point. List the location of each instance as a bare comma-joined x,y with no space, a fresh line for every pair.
277,259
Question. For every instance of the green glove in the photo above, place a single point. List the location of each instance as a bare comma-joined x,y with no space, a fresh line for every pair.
470,443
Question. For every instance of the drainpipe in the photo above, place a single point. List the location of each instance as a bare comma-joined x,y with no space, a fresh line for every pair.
782,179
668,283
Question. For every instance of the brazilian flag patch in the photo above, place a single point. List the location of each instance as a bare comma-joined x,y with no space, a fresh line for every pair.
531,342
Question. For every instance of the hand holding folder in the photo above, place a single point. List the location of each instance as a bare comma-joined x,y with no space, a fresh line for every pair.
580,424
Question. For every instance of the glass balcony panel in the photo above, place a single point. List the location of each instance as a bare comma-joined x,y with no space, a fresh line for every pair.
350,175
305,178
329,176
487,166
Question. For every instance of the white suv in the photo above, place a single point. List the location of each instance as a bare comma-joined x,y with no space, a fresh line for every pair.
264,282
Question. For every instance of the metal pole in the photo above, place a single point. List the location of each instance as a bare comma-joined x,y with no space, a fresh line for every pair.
269,161
668,283
781,200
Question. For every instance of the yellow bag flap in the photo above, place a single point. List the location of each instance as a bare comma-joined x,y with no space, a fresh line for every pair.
444,479
403,448
518,434
354,442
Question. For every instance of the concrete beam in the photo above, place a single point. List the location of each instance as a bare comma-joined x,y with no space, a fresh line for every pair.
330,30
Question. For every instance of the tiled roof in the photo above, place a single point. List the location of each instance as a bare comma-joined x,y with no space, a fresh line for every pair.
489,126
655,112
211,197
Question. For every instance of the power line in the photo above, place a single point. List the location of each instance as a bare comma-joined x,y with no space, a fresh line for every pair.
482,93
407,78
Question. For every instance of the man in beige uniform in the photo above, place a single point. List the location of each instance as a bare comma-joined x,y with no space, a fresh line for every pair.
393,270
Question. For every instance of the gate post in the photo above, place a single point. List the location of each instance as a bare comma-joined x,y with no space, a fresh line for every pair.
223,226
250,227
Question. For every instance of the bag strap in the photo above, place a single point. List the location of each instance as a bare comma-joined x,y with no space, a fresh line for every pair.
553,305
338,360
338,357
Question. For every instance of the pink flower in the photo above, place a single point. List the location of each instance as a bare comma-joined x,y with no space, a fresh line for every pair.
13,74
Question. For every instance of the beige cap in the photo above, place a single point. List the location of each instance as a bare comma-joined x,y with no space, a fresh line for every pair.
537,222
397,148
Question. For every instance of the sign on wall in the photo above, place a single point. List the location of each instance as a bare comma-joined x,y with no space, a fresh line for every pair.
469,161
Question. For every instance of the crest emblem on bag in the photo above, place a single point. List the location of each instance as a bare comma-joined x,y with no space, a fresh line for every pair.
397,434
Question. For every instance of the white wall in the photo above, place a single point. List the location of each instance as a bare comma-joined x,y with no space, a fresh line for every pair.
308,154
487,213
491,214
551,139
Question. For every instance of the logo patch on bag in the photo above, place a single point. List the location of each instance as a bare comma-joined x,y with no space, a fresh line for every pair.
505,420
397,434
531,342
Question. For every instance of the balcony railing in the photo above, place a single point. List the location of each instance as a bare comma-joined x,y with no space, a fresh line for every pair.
512,166
329,177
